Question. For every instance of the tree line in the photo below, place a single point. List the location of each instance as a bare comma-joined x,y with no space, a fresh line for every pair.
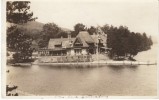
125,43
120,39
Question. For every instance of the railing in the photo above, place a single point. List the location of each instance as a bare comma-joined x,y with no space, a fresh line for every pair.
63,59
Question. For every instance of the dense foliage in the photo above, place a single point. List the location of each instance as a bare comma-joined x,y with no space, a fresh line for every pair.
50,30
21,44
124,43
18,12
77,28
121,40
92,30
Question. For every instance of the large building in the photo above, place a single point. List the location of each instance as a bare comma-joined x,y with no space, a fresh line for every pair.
82,44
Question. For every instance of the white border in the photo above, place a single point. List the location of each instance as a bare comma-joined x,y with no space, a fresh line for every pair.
3,48
3,65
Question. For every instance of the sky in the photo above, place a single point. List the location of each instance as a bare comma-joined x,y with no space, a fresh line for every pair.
138,15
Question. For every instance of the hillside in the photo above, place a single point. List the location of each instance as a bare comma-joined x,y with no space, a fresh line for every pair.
33,25
34,29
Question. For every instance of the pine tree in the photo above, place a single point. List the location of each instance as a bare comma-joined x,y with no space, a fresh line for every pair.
17,41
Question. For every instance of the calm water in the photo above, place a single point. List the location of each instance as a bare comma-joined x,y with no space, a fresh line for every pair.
102,80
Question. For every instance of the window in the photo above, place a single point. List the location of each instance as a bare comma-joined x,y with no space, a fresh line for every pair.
78,51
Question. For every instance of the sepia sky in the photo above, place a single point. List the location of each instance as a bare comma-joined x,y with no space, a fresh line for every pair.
138,15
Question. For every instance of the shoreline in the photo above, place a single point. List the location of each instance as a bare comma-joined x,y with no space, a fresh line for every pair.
103,63
110,62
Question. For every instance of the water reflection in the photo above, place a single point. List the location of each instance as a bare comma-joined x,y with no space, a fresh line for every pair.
21,66
121,67
139,80
68,66
116,67
133,67
84,80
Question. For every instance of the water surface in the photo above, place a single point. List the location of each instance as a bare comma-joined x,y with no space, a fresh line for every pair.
103,80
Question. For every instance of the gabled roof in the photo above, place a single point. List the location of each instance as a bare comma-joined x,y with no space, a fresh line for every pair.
85,38
59,41
78,40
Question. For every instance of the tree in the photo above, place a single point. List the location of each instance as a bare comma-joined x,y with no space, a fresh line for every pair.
132,45
77,28
145,42
18,12
50,30
21,44
92,30
105,28
62,34
150,41
124,43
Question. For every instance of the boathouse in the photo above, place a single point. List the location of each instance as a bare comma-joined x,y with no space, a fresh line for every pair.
82,44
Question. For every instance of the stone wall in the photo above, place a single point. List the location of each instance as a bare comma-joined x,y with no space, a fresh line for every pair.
63,59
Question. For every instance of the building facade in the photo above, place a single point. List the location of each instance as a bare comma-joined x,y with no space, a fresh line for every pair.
82,44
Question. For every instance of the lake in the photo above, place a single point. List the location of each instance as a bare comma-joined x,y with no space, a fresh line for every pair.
105,80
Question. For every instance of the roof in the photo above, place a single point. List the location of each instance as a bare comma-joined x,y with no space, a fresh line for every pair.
59,41
84,35
85,38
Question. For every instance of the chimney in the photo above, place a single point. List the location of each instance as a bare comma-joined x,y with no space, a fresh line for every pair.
69,36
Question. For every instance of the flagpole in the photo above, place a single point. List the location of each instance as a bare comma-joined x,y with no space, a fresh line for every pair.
97,46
